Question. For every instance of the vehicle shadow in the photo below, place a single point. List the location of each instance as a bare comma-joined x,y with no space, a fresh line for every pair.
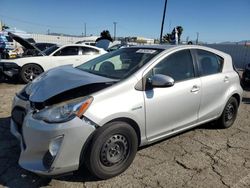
246,87
246,100
207,126
81,175
10,81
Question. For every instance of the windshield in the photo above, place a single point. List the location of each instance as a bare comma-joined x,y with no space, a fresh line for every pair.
50,50
120,63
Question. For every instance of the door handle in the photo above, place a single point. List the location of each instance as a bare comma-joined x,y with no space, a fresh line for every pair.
226,79
195,88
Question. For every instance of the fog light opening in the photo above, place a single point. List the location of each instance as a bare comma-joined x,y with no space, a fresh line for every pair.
55,145
51,154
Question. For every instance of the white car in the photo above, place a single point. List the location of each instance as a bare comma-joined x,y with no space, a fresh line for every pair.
30,67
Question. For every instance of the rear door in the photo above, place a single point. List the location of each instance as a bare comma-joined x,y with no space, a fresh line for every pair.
214,83
172,108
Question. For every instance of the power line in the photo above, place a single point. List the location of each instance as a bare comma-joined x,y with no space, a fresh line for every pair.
37,24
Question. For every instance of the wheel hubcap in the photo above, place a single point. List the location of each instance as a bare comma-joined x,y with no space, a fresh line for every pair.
230,111
114,150
31,73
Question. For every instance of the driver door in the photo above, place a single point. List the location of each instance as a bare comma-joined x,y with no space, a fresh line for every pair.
65,56
172,108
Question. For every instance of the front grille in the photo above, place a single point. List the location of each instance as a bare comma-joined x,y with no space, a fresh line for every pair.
17,115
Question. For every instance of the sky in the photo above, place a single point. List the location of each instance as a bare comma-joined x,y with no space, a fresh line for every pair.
214,20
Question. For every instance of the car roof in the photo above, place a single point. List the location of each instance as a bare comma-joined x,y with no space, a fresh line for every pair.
181,46
82,45
158,46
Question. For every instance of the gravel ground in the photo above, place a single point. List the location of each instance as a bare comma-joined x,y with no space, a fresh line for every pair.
202,157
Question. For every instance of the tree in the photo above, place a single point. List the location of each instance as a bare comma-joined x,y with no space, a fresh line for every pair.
105,34
167,38
5,27
180,31
170,37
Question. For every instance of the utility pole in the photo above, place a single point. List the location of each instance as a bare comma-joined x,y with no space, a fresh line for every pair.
1,25
170,26
85,30
114,30
163,19
197,37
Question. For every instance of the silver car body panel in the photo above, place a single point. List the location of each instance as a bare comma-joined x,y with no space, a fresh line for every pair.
165,106
117,102
158,113
37,135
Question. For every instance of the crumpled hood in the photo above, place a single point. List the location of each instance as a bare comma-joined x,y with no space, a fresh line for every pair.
58,80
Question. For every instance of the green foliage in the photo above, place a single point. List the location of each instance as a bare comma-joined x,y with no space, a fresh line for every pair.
105,34
170,37
180,31
5,27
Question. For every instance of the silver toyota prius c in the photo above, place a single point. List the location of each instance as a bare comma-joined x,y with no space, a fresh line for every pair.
100,112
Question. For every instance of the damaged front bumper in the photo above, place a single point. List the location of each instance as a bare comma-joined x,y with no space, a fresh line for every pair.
9,69
49,149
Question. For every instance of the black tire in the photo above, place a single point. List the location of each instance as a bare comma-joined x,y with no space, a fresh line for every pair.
29,72
112,150
229,113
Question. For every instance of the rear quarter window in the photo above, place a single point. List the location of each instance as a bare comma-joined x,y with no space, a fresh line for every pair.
89,51
209,63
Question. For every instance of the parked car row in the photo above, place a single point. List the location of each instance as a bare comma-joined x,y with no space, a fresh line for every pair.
28,68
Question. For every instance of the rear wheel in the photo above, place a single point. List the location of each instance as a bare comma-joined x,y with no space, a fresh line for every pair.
30,72
229,113
112,150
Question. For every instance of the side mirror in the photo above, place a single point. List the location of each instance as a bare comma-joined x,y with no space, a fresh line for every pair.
160,80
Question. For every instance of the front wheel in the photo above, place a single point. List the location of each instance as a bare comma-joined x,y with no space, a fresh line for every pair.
112,150
29,72
229,113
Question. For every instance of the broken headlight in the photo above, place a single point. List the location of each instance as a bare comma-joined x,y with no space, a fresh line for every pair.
65,111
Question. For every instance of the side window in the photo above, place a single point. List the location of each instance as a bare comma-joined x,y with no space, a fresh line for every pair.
209,63
70,50
89,51
179,66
